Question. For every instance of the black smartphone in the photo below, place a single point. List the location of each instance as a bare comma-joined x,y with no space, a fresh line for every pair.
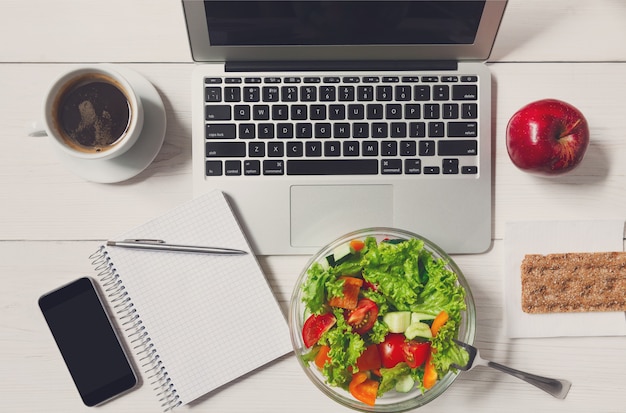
91,348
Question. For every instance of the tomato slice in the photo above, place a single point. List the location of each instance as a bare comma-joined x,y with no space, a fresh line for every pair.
416,352
356,245
363,388
322,357
392,350
315,326
369,359
351,289
363,317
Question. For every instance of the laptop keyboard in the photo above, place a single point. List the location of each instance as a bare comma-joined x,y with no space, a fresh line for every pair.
348,125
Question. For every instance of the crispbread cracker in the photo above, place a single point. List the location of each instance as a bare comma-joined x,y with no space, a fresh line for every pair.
574,282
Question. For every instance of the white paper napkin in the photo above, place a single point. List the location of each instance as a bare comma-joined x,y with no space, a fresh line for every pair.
548,237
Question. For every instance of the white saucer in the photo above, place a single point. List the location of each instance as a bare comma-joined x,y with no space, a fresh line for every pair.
142,153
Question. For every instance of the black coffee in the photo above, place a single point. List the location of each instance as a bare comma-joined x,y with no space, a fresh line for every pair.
93,114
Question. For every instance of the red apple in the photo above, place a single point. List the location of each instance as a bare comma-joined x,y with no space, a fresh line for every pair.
547,137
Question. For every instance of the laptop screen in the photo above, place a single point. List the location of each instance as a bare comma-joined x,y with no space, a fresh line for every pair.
307,23
357,30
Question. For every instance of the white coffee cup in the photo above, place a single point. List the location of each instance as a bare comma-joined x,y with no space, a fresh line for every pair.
92,112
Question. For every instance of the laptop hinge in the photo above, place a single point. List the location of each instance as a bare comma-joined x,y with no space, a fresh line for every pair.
308,66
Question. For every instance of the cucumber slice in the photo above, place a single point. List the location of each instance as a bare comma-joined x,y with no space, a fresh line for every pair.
417,317
341,252
397,321
418,329
405,384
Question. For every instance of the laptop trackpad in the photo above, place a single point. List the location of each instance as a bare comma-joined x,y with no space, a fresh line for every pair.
322,213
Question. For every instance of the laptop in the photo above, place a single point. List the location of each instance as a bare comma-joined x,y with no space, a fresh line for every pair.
318,118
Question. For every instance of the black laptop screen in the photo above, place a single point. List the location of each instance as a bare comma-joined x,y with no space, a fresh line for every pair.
313,23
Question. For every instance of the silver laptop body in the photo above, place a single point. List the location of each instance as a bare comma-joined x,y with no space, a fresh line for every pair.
416,177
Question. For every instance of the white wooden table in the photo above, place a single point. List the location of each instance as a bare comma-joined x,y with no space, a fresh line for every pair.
51,220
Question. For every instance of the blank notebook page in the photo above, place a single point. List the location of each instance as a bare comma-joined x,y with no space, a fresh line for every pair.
201,311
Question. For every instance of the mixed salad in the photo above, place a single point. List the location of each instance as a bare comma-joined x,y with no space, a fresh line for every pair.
381,316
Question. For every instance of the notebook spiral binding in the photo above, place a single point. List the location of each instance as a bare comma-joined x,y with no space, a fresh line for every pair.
134,329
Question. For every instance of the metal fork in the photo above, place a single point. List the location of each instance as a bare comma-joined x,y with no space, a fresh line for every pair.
556,387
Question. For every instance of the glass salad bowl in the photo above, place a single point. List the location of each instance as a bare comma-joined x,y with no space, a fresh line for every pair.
329,331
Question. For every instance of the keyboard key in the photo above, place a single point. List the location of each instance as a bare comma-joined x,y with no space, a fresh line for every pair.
426,148
256,149
328,93
289,93
469,78
261,112
391,166
217,112
346,93
304,130
403,92
332,167
356,111
398,130
430,79
369,148
213,168
350,148
412,166
251,94
371,79
232,168
457,147
213,80
295,149
412,111
323,130
225,149
341,130
242,112
421,92
312,79
247,131
313,149
308,93
265,131
270,93
365,93
220,131
393,111
384,93
252,80
380,130
284,130
280,112
212,94
317,112
441,92
436,129
417,130
464,92
462,129
275,149
360,130
408,148
336,112
252,168
450,166
232,94
299,112
233,80
293,80
271,167
374,111
450,111
469,170
431,170
389,148
431,111
469,111
332,148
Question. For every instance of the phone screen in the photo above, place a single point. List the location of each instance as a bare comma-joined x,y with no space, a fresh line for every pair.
87,340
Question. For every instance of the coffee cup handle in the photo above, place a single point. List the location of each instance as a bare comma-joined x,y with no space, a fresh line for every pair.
36,128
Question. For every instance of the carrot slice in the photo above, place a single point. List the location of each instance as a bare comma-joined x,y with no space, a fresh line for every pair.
322,357
439,321
356,245
363,388
430,373
351,289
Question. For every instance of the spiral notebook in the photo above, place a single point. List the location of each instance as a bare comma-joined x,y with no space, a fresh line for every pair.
190,316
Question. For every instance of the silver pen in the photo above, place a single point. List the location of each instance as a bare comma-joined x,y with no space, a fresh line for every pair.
160,245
